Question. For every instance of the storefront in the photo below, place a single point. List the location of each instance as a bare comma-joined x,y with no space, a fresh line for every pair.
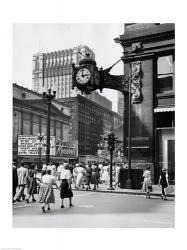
153,118
165,142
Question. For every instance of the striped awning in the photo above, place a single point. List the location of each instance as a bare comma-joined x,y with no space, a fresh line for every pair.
164,109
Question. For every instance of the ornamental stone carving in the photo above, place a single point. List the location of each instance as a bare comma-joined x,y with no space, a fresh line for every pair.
136,77
121,82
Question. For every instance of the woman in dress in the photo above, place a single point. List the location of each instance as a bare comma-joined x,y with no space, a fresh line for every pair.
105,174
147,182
94,177
65,188
31,183
80,175
88,176
163,181
75,174
117,171
46,194
53,170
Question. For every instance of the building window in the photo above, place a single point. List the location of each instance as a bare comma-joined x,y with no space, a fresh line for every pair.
165,73
165,119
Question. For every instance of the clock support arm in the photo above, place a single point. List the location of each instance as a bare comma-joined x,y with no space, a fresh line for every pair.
103,79
121,83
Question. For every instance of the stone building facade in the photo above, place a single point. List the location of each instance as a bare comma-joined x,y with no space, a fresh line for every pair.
30,117
89,121
118,120
153,119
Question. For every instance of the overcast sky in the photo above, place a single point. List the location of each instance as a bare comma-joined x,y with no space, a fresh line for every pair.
32,38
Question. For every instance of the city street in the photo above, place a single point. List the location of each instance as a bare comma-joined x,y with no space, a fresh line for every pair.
94,209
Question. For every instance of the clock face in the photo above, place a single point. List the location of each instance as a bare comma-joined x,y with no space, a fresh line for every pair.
83,75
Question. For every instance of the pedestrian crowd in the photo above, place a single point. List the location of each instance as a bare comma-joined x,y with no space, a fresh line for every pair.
65,175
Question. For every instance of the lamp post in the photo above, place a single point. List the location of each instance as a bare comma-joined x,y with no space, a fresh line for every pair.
40,137
129,181
111,146
99,149
49,97
111,159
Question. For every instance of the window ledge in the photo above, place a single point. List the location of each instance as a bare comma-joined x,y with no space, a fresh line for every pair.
166,94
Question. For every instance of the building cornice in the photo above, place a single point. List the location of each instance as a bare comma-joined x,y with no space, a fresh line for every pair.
33,107
15,85
166,31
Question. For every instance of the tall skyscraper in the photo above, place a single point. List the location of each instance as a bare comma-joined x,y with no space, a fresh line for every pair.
54,70
120,103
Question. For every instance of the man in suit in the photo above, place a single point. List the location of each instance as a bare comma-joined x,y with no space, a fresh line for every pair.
22,181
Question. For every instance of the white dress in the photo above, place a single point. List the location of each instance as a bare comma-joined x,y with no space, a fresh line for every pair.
147,180
117,174
80,174
105,175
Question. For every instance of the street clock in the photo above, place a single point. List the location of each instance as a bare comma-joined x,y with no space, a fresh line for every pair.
83,75
86,76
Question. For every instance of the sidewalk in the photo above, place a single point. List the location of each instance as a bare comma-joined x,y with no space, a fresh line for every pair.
104,188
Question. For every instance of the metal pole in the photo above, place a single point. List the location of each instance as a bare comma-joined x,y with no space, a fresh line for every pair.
124,134
111,154
40,137
111,159
129,181
48,132
40,149
49,97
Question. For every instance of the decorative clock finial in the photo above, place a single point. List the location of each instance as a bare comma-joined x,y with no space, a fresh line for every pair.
87,54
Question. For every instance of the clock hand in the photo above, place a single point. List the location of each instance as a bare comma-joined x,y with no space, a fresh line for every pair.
82,73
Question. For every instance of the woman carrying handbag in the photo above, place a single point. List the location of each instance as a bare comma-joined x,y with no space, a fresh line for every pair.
163,181
147,184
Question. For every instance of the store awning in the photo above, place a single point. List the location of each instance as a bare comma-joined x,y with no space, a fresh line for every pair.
164,109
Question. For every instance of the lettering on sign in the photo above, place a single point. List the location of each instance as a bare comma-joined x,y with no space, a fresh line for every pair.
65,151
29,145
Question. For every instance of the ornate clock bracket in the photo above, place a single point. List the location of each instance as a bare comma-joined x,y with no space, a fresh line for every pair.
103,79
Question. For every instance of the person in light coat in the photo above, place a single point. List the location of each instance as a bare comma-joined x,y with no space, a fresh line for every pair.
80,175
147,184
22,181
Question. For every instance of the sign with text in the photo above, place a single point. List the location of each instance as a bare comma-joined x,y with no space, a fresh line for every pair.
65,149
29,145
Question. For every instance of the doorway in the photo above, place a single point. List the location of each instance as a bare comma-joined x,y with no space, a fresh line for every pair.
165,153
